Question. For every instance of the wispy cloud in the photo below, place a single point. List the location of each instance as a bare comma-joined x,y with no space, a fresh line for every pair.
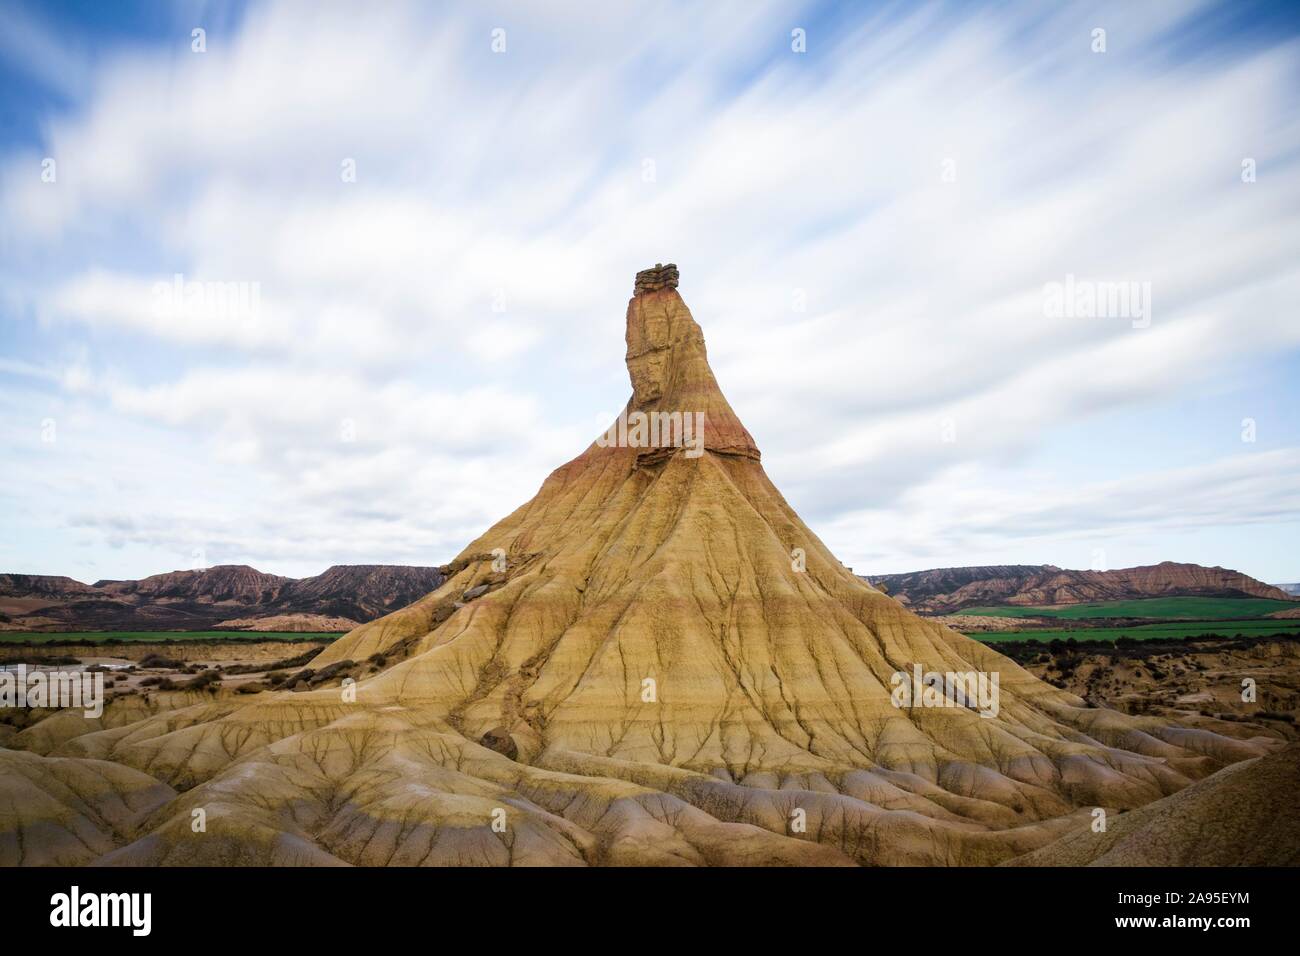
37,49
865,231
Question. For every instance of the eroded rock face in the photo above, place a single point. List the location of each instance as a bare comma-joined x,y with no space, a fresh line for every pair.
669,369
652,280
678,689
1244,815
498,739
61,812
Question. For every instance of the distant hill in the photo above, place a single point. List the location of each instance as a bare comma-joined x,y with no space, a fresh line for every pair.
1292,588
232,595
945,590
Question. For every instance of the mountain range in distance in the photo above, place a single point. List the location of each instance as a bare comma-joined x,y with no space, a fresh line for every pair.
949,590
239,597
233,596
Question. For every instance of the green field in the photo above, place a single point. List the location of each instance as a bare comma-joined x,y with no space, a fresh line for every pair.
109,637
1186,608
1139,632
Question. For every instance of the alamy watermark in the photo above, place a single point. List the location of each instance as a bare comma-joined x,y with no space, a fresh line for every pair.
182,299
1085,299
53,689
974,690
657,430
75,908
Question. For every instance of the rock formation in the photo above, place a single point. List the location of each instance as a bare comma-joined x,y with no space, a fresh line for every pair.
656,279
653,661
945,590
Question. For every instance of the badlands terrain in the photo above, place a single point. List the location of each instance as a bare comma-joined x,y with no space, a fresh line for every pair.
652,662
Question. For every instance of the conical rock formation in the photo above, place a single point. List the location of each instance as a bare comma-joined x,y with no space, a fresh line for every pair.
653,661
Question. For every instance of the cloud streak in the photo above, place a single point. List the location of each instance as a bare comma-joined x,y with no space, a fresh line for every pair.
864,232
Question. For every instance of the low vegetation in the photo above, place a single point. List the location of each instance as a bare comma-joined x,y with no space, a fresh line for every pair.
1024,649
1184,608
1148,632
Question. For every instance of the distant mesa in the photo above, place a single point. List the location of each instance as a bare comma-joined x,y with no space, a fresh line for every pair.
948,590
225,596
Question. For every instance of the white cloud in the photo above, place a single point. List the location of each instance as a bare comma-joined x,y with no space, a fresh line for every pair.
517,180
964,512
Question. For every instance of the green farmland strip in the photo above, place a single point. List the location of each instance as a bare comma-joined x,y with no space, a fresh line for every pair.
1188,608
1164,629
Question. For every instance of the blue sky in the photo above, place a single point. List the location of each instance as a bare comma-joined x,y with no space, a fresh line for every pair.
864,231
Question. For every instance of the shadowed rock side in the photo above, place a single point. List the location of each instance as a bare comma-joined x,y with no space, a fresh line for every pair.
1244,815
769,737
61,812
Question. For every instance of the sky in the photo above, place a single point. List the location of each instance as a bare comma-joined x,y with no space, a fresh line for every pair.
431,215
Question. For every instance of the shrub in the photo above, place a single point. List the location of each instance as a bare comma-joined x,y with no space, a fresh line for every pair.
157,660
330,671
204,680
